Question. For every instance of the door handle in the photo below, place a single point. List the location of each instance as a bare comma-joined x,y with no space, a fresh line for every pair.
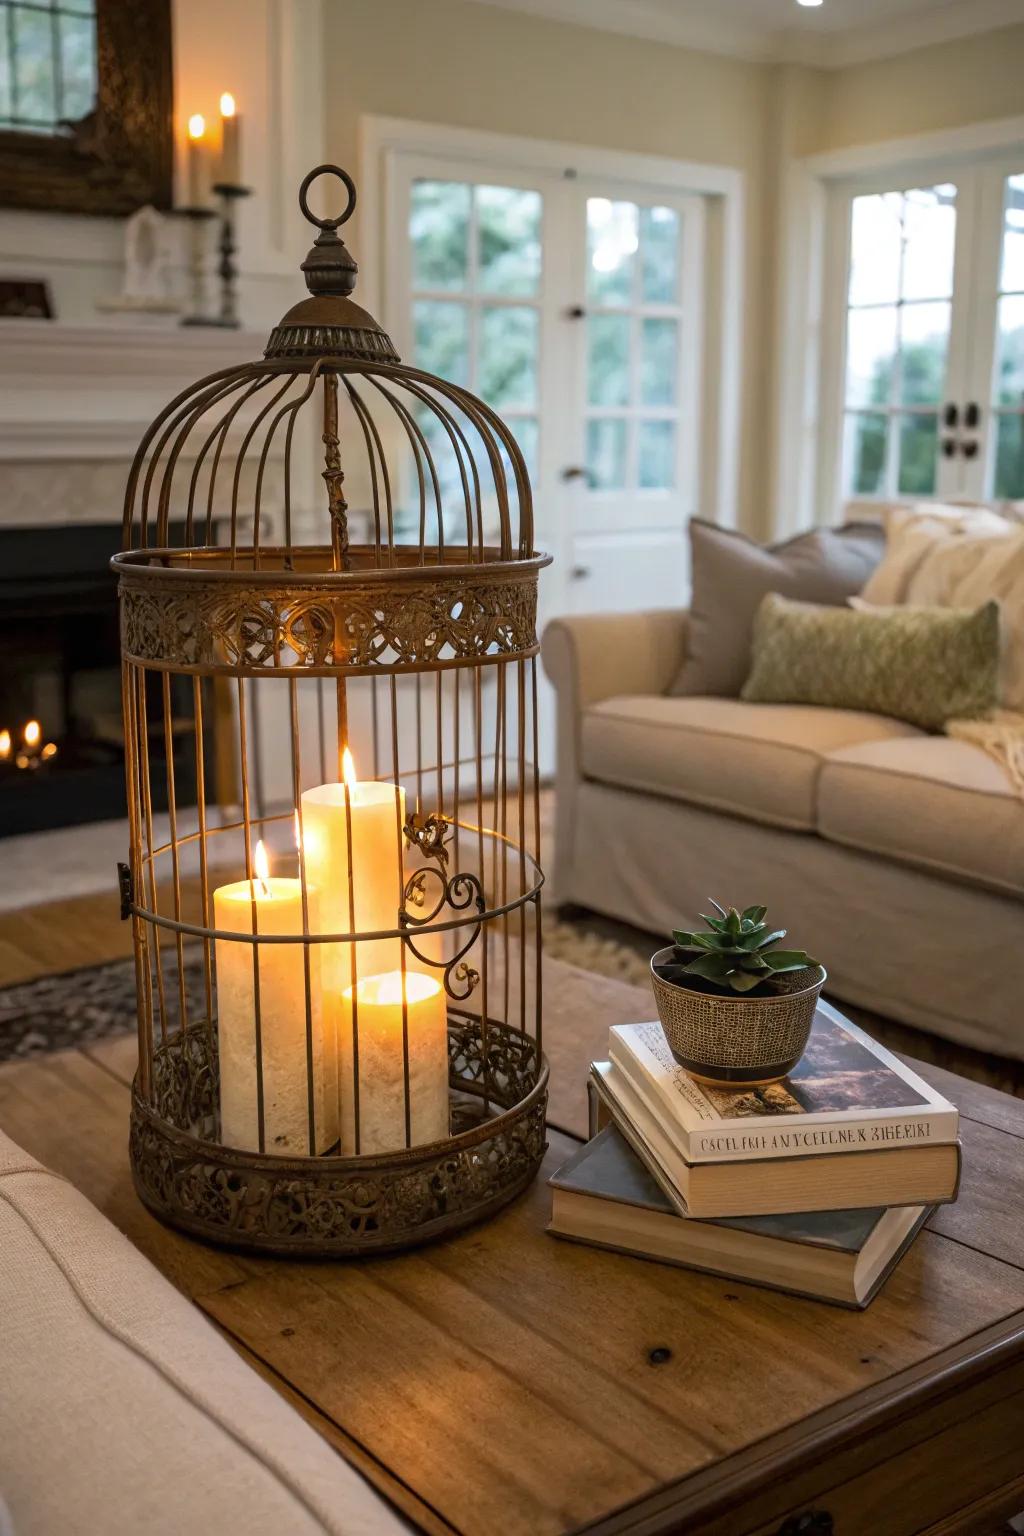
575,312
972,415
949,446
950,415
970,450
574,472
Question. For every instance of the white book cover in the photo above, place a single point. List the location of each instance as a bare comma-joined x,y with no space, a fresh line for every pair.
846,1094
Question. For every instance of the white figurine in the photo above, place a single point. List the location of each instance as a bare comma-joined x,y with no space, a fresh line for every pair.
146,286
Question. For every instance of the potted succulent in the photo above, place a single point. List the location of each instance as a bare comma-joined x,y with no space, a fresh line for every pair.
736,1008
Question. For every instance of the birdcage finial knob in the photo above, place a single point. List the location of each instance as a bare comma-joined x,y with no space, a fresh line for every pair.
329,267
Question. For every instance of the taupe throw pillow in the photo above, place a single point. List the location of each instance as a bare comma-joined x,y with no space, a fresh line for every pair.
922,665
731,573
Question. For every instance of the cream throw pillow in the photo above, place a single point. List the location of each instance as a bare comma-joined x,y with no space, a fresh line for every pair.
957,557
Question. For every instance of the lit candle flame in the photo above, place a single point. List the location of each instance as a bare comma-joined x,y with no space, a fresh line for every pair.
5,743
196,125
227,105
262,866
50,750
348,769
32,733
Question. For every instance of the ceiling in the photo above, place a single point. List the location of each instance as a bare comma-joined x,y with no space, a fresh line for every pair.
836,33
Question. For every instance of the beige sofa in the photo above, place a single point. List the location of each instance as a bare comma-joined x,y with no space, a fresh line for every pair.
123,1411
895,857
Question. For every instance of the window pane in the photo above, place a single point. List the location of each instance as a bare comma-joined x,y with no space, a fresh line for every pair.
608,359
524,430
507,364
1013,236
33,67
439,227
919,440
83,7
606,454
870,356
659,255
924,339
656,450
442,339
1009,480
508,241
929,233
865,453
875,249
1010,352
612,242
659,354
5,74
78,66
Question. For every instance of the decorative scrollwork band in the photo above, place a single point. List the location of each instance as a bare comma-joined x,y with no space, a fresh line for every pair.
248,630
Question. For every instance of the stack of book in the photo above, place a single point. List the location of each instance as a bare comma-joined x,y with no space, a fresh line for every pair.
816,1184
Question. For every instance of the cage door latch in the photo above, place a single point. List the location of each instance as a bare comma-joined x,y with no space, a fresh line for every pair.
124,885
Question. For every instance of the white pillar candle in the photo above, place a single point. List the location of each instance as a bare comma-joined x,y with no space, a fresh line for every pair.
231,141
198,169
376,814
379,1035
282,1008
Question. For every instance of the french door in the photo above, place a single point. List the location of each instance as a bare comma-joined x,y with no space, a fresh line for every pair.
927,354
574,308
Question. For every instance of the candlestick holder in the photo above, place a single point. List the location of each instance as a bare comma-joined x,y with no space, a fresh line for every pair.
198,218
229,194
340,1047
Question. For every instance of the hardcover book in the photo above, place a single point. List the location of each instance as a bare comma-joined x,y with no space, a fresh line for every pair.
846,1094
606,1197
893,1174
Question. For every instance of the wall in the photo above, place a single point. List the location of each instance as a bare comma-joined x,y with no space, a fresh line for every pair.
471,65
946,85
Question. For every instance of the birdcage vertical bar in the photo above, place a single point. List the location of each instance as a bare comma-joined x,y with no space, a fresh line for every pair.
147,805
204,879
243,765
293,705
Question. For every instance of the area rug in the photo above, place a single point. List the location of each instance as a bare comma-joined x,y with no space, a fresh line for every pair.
77,1008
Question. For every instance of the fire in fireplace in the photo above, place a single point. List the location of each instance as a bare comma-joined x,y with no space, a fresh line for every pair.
61,737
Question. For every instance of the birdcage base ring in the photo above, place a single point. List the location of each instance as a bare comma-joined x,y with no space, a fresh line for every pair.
332,1206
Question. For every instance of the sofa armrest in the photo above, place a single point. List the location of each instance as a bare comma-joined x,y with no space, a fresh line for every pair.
592,657
600,655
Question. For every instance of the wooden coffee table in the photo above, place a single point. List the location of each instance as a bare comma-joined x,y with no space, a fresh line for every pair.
501,1383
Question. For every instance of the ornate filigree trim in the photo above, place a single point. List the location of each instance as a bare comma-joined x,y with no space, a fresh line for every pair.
330,341
221,627
330,1205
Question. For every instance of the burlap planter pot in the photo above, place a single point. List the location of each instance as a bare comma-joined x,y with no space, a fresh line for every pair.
737,1041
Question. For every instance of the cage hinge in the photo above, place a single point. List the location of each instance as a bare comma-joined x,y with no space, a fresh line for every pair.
124,885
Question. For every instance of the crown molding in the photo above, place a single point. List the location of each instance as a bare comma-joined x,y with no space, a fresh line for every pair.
818,46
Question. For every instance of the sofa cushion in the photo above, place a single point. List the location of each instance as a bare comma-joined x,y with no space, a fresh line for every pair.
122,1410
756,760
930,801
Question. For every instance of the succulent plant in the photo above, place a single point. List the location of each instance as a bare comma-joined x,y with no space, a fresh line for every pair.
736,952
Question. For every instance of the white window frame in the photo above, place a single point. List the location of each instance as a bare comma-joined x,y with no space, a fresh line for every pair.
814,257
387,142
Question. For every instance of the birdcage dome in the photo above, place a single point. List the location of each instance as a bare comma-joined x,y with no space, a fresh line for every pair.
424,492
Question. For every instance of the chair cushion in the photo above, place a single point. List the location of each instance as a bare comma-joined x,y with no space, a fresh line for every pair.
122,1410
756,760
930,801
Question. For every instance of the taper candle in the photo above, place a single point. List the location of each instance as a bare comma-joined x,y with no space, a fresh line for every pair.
198,168
230,142
281,969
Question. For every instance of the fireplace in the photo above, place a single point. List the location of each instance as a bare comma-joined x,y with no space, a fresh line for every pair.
61,736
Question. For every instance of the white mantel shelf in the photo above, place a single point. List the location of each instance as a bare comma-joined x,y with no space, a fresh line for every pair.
34,350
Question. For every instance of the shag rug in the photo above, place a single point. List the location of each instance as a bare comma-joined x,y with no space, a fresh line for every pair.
80,1007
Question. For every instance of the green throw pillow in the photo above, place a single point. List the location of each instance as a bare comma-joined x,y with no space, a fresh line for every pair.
922,665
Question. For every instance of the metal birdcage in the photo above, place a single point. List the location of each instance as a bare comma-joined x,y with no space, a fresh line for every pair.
330,713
